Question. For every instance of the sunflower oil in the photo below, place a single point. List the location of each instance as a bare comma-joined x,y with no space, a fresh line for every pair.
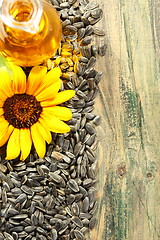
29,37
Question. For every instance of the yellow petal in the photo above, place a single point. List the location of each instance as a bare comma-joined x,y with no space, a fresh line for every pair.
35,78
25,142
44,132
62,113
3,96
54,124
13,146
49,92
6,135
2,119
5,82
1,103
43,123
1,111
50,78
59,98
38,141
3,125
19,79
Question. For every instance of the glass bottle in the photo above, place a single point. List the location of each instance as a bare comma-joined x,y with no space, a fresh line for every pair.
30,31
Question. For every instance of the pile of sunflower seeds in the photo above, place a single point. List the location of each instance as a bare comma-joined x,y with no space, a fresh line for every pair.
54,198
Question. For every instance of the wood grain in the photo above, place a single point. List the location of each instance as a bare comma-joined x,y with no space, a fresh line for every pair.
129,135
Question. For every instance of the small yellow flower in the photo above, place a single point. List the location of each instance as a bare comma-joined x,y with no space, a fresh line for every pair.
28,110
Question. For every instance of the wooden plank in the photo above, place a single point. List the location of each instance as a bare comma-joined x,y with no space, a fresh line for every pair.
129,104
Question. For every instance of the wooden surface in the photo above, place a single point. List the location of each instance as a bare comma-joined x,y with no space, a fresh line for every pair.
129,134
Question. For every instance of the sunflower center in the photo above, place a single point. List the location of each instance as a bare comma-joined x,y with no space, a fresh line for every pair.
22,110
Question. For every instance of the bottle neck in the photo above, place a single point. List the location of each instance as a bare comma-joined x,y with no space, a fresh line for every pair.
22,14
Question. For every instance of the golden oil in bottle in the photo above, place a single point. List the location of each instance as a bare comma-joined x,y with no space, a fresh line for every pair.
25,39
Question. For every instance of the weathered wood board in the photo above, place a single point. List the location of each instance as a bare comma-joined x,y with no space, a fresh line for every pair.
129,134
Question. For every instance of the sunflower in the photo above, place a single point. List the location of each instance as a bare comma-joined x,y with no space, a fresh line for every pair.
29,111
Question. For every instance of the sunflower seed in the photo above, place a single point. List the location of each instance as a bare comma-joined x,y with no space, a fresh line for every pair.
65,145
92,5
96,120
66,159
77,222
65,237
55,2
96,13
77,148
6,179
73,185
22,234
58,156
6,186
86,51
86,14
85,222
20,168
94,50
70,155
85,204
57,178
99,32
87,40
15,235
1,236
17,229
88,182
21,198
41,231
102,50
89,30
92,222
91,194
65,5
85,215
63,165
75,209
83,171
63,230
12,211
54,234
4,196
64,14
8,236
9,166
93,20
66,22
69,30
94,207
19,217
3,168
78,24
27,190
91,140
29,229
81,33
70,199
78,234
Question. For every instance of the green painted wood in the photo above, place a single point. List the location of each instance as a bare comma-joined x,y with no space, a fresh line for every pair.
128,155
